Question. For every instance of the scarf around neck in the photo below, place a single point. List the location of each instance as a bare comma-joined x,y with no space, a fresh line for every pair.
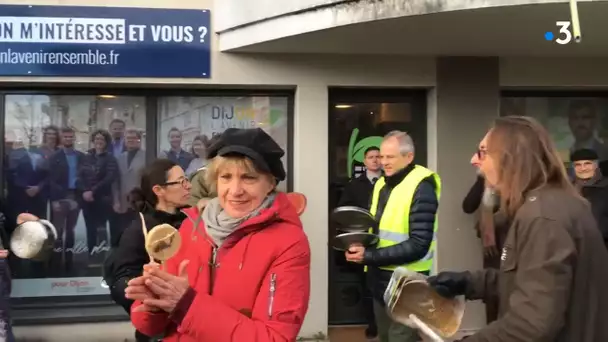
220,225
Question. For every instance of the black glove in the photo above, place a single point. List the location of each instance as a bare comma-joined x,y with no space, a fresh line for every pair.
450,284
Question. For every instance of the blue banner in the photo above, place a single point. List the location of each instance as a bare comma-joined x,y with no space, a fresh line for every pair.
104,42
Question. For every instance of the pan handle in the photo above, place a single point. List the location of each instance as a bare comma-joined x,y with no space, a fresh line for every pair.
425,329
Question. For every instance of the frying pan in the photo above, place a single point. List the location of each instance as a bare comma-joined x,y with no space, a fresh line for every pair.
353,219
33,240
343,242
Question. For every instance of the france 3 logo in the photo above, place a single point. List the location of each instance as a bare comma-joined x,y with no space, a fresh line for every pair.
565,34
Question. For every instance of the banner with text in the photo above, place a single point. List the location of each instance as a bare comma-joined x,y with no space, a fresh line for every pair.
104,42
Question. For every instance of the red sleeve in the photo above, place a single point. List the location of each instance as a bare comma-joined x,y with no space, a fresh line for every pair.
277,314
154,323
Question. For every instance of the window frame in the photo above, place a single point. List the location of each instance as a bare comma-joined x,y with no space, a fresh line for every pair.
75,309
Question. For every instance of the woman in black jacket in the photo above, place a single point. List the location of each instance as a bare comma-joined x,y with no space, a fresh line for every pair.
164,190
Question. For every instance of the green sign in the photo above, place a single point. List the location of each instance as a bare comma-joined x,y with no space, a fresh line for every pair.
356,150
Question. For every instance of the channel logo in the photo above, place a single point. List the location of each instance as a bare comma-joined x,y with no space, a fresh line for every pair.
564,34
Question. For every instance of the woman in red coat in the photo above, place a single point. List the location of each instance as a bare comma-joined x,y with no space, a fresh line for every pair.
243,270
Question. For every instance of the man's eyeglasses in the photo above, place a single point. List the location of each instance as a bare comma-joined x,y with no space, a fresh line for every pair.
481,154
184,182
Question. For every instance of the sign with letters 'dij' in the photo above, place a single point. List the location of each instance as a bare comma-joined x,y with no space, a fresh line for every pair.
104,42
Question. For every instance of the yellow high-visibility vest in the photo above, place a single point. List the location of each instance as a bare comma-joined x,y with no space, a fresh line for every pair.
394,225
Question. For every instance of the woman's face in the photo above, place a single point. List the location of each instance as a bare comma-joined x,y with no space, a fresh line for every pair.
486,162
240,192
176,191
198,148
99,142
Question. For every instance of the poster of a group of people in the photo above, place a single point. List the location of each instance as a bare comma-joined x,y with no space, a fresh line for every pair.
74,159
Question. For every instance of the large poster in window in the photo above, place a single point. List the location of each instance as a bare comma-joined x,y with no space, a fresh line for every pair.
573,122
187,124
71,160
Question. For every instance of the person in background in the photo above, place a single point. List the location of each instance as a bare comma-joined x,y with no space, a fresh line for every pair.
66,197
176,154
590,183
200,156
243,270
490,227
98,173
405,202
117,145
583,119
163,190
201,193
50,142
552,278
358,193
130,166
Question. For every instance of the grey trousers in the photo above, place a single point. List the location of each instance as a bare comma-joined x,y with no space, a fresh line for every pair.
390,331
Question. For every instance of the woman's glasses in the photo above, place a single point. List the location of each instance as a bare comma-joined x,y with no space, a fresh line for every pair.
184,182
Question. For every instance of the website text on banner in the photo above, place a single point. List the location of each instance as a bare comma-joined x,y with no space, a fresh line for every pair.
121,42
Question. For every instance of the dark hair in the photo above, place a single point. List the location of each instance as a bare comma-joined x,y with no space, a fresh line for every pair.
154,174
174,129
105,134
117,121
67,130
527,160
577,105
51,128
370,149
203,139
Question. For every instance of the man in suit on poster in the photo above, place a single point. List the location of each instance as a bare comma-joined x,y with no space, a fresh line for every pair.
584,120
130,164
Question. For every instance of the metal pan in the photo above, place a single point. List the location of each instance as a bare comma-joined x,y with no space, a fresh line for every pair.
33,240
343,241
353,219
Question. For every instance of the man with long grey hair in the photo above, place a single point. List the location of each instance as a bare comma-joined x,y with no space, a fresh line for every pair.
405,202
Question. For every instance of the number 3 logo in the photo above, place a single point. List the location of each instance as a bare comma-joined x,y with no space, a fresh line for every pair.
564,30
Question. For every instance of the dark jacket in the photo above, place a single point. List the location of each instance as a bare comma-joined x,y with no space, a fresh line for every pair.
59,174
127,259
597,195
98,173
422,221
553,275
472,200
357,192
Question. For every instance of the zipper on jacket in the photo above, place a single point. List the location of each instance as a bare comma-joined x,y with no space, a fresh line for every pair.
273,288
212,267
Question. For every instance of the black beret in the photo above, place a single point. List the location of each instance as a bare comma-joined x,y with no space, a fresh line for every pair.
584,154
253,143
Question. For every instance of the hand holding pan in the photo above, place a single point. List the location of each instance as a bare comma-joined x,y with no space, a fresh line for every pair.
298,200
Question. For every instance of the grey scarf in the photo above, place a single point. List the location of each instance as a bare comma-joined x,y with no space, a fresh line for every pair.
219,224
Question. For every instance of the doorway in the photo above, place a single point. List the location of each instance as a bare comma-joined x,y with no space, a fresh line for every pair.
358,119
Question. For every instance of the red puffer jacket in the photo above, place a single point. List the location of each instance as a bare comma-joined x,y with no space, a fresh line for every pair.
255,287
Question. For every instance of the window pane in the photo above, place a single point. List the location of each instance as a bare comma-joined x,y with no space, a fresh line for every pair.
573,122
72,160
187,124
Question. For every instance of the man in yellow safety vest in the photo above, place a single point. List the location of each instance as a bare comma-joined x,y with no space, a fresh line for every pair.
405,202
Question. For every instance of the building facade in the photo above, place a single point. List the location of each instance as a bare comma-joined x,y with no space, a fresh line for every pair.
316,75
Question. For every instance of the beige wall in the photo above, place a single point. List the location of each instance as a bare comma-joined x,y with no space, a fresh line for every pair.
454,127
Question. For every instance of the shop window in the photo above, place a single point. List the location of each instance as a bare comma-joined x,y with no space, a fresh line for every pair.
574,122
186,124
57,150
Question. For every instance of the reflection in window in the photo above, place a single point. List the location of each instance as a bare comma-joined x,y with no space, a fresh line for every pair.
72,160
573,122
188,123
